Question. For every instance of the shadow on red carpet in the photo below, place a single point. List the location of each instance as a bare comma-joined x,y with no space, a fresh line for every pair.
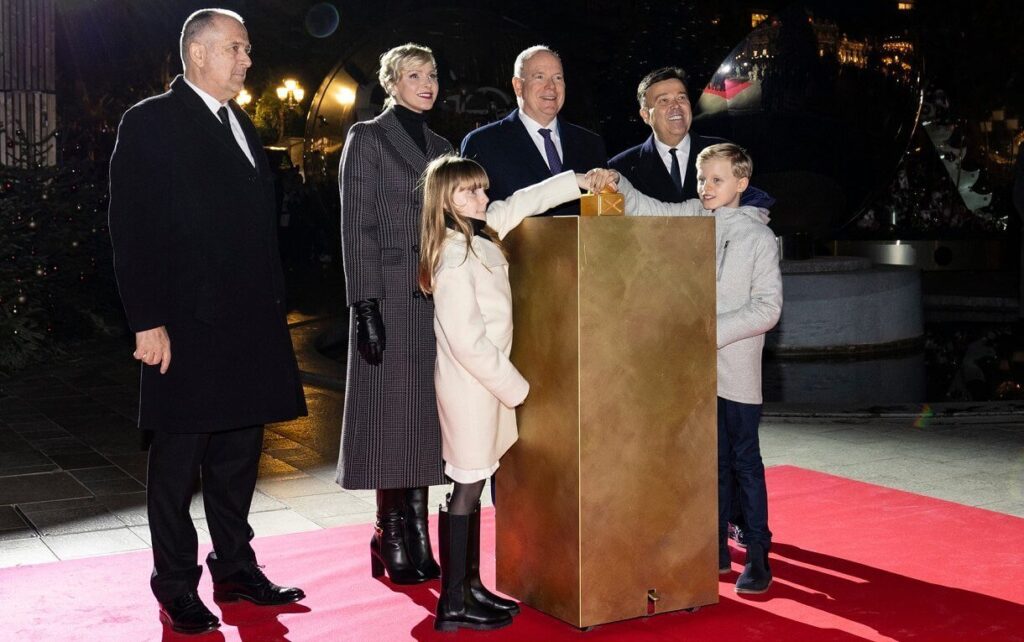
852,561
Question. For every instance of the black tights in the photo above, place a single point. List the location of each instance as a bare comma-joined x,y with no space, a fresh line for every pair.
465,497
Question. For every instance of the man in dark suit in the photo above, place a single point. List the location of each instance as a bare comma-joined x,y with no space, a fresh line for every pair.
532,143
193,226
663,165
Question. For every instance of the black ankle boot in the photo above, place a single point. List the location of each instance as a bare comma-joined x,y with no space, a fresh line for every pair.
757,575
477,587
456,606
724,559
387,546
417,533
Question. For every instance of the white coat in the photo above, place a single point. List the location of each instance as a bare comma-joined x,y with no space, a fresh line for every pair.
748,285
477,386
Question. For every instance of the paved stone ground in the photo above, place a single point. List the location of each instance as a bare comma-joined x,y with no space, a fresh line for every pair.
72,473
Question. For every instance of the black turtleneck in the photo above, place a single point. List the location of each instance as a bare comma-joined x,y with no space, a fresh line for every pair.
413,123
476,224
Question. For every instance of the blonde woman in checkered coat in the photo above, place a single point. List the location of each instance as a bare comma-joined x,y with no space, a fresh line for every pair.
391,440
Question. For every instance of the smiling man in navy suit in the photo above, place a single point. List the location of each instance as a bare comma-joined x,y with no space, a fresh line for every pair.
662,165
533,143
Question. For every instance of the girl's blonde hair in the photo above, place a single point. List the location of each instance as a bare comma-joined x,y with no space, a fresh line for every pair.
442,177
395,60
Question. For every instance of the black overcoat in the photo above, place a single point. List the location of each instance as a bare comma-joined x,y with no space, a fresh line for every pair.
193,225
391,437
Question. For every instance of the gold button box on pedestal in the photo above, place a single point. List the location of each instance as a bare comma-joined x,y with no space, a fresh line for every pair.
604,204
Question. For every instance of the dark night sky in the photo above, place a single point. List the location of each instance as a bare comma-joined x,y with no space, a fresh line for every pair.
119,50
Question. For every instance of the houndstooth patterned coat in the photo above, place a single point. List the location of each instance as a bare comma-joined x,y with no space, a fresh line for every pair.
390,434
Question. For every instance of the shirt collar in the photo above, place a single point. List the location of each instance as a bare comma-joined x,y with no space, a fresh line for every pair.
682,149
533,126
210,101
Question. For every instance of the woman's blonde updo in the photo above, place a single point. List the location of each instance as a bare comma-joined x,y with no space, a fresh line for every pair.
396,59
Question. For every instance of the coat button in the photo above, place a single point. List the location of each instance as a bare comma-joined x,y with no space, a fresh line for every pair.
417,295
416,248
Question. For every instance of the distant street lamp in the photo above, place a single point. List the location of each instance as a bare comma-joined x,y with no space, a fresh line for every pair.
243,98
290,94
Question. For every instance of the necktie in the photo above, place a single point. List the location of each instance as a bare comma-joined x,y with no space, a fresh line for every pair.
554,162
222,113
677,177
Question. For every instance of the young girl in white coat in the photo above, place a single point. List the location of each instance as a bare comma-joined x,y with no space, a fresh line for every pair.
463,265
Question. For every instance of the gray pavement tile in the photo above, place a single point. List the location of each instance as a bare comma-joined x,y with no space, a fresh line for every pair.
135,464
262,503
114,486
130,508
32,426
72,461
15,471
1013,506
52,431
16,534
280,522
316,507
10,519
74,520
39,488
94,543
58,444
296,487
347,519
101,473
24,552
57,504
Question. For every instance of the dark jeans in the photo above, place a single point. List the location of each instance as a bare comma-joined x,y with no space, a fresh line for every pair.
228,463
741,471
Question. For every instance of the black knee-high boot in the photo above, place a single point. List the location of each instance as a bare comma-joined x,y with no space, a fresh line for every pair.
456,606
387,546
417,533
476,586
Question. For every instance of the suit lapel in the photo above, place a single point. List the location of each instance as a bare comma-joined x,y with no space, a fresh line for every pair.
572,152
407,148
523,147
252,138
690,177
655,169
206,119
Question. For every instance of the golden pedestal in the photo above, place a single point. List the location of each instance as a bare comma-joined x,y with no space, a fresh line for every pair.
607,504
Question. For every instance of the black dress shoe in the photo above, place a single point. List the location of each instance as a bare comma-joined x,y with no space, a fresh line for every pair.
187,614
252,585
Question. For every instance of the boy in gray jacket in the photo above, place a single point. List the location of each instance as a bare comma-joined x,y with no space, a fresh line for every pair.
749,289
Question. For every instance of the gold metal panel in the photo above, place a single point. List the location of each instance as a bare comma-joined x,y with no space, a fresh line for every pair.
648,441
537,539
611,489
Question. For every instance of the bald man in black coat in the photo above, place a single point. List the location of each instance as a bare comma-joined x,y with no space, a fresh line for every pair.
193,226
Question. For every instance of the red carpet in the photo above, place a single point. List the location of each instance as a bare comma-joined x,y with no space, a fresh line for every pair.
852,561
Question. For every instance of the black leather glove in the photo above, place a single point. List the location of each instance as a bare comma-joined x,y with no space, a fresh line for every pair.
369,331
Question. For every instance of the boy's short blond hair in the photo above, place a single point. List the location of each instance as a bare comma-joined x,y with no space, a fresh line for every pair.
742,164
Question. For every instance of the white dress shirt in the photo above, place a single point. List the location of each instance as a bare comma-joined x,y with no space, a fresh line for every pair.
682,153
236,127
533,128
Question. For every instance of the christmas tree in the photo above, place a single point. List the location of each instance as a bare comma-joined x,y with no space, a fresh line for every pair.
56,284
